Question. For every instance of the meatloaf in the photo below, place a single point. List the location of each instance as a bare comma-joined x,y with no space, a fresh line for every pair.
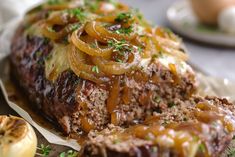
189,128
98,68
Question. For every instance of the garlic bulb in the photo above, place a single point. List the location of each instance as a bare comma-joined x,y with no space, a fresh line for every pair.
17,138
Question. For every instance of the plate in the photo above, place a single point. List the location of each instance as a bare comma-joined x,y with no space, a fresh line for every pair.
183,21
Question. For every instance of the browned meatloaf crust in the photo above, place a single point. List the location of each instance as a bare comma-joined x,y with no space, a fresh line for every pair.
61,102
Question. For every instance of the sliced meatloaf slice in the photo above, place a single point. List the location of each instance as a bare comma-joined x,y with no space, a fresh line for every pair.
80,105
198,127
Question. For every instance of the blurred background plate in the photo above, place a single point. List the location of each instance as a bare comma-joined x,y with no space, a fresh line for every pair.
183,20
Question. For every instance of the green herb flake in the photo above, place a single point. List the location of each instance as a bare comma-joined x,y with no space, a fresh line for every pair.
53,2
48,57
38,54
93,45
50,29
124,17
78,13
157,99
119,60
195,138
116,141
127,31
74,27
148,138
69,153
140,49
154,56
119,46
202,147
171,104
231,152
44,150
154,149
95,69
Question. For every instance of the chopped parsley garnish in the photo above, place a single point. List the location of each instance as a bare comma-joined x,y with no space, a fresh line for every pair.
123,17
119,45
93,45
127,31
157,99
74,27
116,141
171,104
154,56
38,54
53,2
95,69
119,60
50,29
202,147
140,49
231,152
78,13
154,149
158,55
44,150
195,138
49,56
69,153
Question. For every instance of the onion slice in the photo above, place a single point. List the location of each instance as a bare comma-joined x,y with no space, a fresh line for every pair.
81,69
48,32
110,35
116,68
90,29
81,45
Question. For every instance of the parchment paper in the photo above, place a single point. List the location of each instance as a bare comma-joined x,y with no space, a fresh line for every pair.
10,15
208,86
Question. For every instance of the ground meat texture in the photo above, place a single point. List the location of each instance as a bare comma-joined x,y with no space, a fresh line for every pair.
214,135
62,100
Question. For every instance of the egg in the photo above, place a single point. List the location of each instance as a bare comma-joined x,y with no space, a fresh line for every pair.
226,20
208,11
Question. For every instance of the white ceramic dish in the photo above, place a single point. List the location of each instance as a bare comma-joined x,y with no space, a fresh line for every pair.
183,21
